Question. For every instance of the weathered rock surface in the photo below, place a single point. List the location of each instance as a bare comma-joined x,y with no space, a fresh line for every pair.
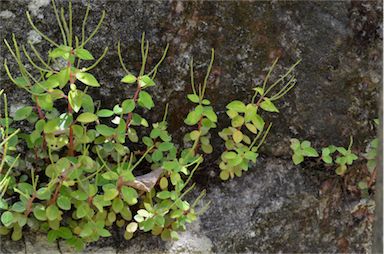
275,207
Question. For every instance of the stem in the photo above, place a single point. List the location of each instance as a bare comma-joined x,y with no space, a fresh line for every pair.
42,117
94,31
98,60
144,54
65,25
269,74
154,70
121,58
192,77
70,38
39,32
264,136
84,23
207,75
130,114
59,22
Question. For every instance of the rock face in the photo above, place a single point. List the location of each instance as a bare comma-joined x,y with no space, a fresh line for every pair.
274,207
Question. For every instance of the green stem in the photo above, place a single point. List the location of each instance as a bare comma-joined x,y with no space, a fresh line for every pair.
98,60
59,22
39,32
121,58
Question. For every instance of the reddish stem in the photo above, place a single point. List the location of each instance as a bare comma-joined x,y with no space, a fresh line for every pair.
198,128
130,114
29,205
56,194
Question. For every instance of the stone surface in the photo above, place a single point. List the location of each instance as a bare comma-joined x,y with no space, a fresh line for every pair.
274,207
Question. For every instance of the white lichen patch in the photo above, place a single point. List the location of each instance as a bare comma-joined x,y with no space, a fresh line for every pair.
34,37
35,5
7,14
192,241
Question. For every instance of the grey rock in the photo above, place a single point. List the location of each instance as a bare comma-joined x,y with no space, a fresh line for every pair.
275,207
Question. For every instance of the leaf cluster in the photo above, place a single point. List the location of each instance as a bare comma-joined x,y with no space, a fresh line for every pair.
331,155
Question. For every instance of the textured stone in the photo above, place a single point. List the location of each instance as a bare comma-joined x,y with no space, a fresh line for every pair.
275,207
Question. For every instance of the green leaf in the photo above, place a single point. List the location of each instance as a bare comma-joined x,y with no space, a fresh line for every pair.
145,100
144,213
166,146
193,118
105,130
87,79
207,148
145,81
327,159
310,152
131,227
75,100
110,175
193,97
237,136
237,106
258,121
18,207
362,185
64,203
87,117
61,51
295,144
7,218
39,212
52,212
110,194
87,103
210,114
237,121
129,79
84,54
251,128
65,233
79,195
297,158
129,195
340,170
305,144
82,210
194,134
224,175
128,106
342,150
22,113
157,155
105,113
268,105
259,89
117,205
229,155
163,183
52,125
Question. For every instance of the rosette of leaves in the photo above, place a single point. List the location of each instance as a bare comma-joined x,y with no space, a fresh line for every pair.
248,130
331,155
83,179
301,150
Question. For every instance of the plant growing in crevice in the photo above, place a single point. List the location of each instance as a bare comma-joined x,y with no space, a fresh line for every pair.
371,156
330,155
246,121
83,171
81,179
